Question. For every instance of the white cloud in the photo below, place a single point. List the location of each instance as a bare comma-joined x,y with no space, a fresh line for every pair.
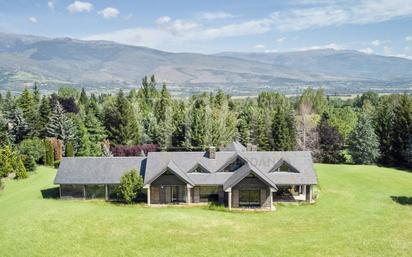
50,4
33,19
408,38
109,12
333,46
78,6
367,50
376,42
215,15
128,17
387,50
163,20
281,40
259,46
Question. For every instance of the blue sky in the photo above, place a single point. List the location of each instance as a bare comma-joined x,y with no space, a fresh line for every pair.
371,26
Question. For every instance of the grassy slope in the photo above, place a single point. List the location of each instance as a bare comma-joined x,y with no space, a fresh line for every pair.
354,216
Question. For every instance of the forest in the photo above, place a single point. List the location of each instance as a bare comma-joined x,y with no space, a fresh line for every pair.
40,129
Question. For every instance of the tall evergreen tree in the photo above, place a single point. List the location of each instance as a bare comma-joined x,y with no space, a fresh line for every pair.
18,127
120,120
384,121
363,142
60,126
402,129
283,130
330,142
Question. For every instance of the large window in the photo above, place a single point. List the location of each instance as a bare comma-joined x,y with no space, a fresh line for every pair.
95,191
209,194
75,191
249,197
113,192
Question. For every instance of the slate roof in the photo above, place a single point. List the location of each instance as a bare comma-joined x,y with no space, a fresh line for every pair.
97,170
108,170
234,146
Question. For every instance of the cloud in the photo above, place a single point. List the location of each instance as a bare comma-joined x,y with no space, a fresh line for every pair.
367,50
168,33
215,15
78,6
387,50
408,38
260,46
163,20
376,42
109,12
33,19
280,40
333,46
50,4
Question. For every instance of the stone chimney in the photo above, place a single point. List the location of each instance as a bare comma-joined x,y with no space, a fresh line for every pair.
249,147
254,148
212,152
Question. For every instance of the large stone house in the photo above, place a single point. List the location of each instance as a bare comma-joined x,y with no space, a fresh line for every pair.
236,176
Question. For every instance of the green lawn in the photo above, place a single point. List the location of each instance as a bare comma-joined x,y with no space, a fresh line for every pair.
354,216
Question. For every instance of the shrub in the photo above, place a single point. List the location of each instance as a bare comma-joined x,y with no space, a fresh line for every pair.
31,151
135,150
21,171
131,185
7,161
69,149
56,164
48,153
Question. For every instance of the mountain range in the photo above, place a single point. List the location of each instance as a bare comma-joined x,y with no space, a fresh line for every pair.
107,66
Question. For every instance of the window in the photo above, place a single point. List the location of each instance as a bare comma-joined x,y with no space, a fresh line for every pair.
199,169
249,197
95,191
234,165
209,194
75,191
284,167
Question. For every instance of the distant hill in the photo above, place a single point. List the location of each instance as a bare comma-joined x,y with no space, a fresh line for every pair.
102,65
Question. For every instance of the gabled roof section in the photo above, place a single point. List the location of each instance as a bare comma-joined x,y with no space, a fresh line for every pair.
197,166
244,171
172,167
234,146
231,160
280,163
97,170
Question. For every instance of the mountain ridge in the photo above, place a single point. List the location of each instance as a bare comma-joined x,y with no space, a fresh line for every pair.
106,65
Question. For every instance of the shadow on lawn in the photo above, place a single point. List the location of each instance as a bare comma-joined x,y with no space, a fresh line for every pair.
404,200
50,193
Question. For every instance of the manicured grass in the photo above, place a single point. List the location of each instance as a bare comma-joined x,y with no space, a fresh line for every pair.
354,216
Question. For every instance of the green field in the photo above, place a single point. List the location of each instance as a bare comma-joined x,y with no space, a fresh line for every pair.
355,216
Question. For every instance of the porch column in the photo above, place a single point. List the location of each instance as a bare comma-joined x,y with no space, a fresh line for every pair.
106,192
229,202
148,195
84,192
188,196
311,193
271,199
60,191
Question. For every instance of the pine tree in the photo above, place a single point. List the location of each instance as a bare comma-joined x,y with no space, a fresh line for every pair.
384,121
363,142
330,142
36,94
7,161
44,113
21,172
120,121
84,100
283,130
60,126
18,127
402,129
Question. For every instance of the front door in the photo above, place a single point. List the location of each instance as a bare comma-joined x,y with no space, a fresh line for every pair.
249,198
174,194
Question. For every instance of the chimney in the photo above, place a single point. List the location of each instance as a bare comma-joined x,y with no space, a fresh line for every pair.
254,148
212,152
249,147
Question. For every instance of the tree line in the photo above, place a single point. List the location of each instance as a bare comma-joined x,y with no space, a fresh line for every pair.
41,128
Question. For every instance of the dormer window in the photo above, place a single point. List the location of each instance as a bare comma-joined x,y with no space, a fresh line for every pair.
199,169
284,167
234,165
